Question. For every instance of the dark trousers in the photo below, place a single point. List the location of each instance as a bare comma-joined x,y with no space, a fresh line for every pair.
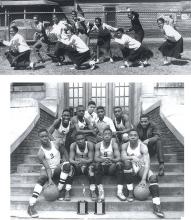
156,148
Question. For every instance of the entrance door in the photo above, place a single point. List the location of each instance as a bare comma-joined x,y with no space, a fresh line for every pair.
110,15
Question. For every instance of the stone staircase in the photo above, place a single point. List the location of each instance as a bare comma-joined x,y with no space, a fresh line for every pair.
171,191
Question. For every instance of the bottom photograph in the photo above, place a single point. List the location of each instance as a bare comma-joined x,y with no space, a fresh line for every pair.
112,150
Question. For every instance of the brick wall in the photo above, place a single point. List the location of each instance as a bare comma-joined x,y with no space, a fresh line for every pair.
17,157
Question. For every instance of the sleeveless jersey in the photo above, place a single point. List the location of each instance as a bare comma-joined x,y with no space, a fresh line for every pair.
82,124
52,156
106,152
82,154
119,126
61,132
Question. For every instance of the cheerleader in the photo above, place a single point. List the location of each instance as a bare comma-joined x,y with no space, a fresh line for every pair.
103,38
132,50
173,46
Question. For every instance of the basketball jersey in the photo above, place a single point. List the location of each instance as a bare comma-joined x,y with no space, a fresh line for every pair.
82,125
61,132
82,154
52,156
106,152
119,126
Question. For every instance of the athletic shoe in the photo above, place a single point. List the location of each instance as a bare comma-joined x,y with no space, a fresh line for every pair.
166,63
92,64
121,196
161,170
126,64
101,196
32,211
111,60
157,211
97,61
60,64
61,195
67,195
130,197
93,195
32,65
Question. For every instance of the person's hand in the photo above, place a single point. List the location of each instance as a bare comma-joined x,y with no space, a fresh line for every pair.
143,183
146,142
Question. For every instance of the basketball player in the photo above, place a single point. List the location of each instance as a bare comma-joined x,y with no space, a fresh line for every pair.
61,129
107,162
90,113
81,157
83,125
150,136
137,162
50,155
122,125
103,122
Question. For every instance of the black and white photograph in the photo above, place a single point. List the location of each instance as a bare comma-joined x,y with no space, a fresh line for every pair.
97,150
91,37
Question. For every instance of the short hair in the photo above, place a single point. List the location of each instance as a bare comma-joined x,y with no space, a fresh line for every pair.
117,107
107,129
80,106
15,28
66,110
74,12
36,16
144,116
42,130
98,18
100,107
91,102
120,30
161,19
132,129
77,134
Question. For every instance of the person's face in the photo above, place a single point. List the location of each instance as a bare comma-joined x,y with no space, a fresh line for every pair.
44,138
74,16
160,24
35,19
107,135
144,122
91,108
130,15
133,136
68,32
12,32
119,34
97,23
117,112
100,113
80,140
55,19
66,117
80,112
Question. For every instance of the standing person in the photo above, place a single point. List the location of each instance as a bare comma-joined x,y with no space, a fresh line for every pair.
136,25
132,50
18,54
90,113
103,38
81,158
137,162
150,136
107,162
62,129
103,122
173,46
50,155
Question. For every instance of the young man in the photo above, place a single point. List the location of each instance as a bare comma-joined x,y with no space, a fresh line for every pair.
150,136
82,125
103,122
18,54
61,129
90,113
50,155
81,158
107,158
122,124
136,25
137,162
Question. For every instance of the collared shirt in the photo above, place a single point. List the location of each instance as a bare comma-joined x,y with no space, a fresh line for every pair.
106,122
18,42
170,33
91,117
128,41
78,43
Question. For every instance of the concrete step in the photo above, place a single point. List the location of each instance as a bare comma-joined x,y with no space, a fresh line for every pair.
111,204
133,215
170,167
170,177
170,189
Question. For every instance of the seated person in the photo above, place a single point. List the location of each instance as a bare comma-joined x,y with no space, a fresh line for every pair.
107,162
137,162
150,136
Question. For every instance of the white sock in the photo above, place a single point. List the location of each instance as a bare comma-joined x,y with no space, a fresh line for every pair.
68,187
100,187
92,187
119,188
156,200
130,187
63,177
36,192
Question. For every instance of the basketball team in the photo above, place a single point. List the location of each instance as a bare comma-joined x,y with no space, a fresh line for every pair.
94,145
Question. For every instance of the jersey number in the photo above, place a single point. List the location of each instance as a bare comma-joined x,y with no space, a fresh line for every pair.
51,155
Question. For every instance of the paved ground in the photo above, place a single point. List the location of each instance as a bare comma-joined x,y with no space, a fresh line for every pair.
179,67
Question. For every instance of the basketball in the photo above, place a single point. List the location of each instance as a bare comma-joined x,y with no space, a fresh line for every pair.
51,193
141,192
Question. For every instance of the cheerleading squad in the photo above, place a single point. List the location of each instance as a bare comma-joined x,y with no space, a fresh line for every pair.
71,38
94,145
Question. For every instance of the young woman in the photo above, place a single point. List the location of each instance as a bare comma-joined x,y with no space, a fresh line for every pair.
173,46
132,50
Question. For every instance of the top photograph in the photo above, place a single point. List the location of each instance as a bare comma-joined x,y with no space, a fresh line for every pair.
95,37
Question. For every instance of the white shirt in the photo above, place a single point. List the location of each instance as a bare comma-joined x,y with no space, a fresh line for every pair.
106,122
91,117
78,43
18,42
170,33
106,152
128,41
104,26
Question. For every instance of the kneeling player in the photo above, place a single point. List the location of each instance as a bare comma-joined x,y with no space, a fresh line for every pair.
107,157
81,157
50,155
137,161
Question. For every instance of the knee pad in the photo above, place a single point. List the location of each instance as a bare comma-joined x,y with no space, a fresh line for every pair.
153,179
42,180
66,167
